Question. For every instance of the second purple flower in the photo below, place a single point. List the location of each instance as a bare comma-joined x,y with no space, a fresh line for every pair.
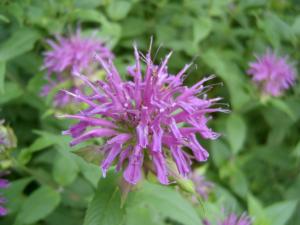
66,55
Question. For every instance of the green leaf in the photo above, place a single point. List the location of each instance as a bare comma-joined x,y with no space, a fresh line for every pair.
280,213
38,145
118,10
224,66
41,143
140,27
90,171
296,25
282,106
166,202
292,193
88,3
238,182
38,205
14,194
12,91
4,18
20,42
2,76
110,33
276,29
296,151
257,211
236,132
220,152
201,29
143,215
87,15
65,169
105,207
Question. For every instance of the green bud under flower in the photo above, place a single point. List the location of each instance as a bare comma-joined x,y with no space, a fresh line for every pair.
8,139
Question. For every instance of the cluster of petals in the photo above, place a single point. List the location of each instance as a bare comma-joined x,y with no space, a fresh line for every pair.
66,55
272,74
148,120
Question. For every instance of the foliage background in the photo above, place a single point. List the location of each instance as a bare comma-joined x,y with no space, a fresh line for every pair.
255,165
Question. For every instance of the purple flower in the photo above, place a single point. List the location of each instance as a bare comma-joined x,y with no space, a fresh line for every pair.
147,121
3,184
233,219
272,74
202,186
68,54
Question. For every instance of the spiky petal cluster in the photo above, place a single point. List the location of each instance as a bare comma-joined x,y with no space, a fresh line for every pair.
272,74
3,184
147,120
233,219
66,55
202,186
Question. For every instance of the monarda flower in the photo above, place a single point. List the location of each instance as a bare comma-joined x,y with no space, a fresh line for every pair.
272,74
66,55
147,121
233,219
3,184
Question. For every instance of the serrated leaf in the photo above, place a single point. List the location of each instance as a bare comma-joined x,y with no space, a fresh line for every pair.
38,145
201,29
280,212
238,182
282,106
236,132
14,194
4,18
257,211
167,203
12,91
222,64
140,27
220,153
296,151
105,207
90,171
110,33
118,10
87,15
65,169
38,205
143,215
20,42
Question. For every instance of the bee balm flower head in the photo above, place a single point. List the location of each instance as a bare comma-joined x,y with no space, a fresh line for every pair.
66,55
147,120
272,74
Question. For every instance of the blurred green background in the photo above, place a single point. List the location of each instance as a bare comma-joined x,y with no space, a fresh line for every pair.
254,165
